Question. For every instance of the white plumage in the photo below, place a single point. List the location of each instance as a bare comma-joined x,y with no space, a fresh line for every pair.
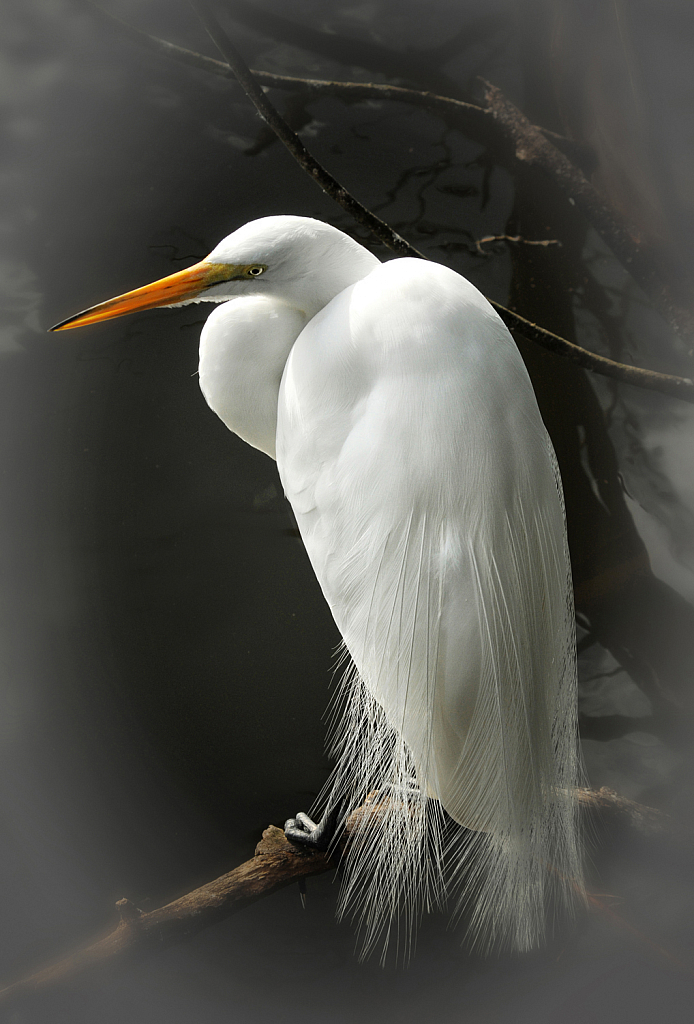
409,443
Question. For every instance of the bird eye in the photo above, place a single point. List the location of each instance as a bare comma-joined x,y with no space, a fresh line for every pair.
255,271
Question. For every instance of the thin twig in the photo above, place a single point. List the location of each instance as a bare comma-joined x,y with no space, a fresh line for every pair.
518,239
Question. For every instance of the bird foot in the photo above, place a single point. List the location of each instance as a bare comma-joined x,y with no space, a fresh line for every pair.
317,836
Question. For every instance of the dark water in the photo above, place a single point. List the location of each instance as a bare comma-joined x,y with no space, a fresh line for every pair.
166,651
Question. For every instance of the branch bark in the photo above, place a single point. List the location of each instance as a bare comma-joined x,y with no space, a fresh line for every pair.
516,239
276,863
476,120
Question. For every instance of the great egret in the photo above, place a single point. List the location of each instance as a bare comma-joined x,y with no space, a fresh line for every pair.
410,445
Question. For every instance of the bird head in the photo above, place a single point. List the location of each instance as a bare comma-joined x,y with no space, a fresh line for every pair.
301,261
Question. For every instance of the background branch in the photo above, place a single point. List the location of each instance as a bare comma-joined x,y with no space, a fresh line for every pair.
679,387
529,145
291,140
475,119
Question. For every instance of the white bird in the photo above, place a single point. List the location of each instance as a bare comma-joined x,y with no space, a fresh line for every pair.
410,445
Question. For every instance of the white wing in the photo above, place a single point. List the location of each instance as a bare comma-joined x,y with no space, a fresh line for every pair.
424,484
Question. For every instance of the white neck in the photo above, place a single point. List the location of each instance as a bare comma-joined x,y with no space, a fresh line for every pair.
243,348
246,341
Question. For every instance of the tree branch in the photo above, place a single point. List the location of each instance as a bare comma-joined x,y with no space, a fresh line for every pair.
639,819
276,864
530,145
668,384
477,120
412,64
532,148
516,239
291,140
679,387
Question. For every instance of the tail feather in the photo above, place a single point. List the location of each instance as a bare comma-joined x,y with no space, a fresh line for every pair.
493,832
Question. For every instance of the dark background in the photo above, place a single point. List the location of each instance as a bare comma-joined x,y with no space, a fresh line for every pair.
165,651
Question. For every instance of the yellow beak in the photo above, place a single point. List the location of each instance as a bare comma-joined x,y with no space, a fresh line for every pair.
176,288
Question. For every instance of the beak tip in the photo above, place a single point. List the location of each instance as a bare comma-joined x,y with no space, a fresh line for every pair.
175,290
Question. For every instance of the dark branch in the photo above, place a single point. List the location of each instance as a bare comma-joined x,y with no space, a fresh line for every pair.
476,119
530,145
651,380
639,819
412,65
638,260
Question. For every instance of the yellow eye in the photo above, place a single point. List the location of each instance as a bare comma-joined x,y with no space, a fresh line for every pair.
256,271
